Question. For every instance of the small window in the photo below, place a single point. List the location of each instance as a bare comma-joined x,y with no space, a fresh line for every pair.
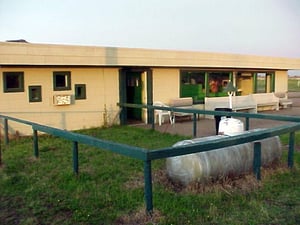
35,93
13,81
80,91
62,81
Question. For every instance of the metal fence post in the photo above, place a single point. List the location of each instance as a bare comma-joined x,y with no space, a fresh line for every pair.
257,160
152,118
247,124
6,140
148,186
75,157
194,125
291,150
35,144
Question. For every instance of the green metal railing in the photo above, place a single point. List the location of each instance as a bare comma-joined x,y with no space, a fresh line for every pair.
147,156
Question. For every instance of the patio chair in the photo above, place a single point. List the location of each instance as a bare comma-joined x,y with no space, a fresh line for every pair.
162,113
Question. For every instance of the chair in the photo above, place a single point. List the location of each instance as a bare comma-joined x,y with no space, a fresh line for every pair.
161,113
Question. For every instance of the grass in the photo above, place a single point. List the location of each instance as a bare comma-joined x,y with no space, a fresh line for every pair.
293,85
109,187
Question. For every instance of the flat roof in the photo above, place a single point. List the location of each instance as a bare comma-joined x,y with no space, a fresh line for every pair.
30,54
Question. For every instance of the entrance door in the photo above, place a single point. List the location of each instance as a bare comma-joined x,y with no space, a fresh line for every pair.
134,94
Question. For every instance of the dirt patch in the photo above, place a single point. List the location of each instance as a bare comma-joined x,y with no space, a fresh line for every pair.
243,183
140,217
135,182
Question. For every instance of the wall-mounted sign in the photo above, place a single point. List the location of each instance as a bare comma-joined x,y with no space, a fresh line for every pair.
62,99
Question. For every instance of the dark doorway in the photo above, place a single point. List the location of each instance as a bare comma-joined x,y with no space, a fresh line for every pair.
134,94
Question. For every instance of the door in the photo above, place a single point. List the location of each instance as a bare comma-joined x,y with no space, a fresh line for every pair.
134,94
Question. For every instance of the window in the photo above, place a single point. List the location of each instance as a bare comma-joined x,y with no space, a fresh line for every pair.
192,84
80,91
217,81
62,80
13,81
264,82
199,84
35,93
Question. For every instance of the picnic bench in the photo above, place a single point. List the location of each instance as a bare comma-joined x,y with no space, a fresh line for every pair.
183,103
284,102
266,101
239,103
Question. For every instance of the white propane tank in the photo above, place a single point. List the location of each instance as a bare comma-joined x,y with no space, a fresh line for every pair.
230,126
233,160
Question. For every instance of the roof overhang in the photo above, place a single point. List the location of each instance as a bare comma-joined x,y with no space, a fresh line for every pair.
68,55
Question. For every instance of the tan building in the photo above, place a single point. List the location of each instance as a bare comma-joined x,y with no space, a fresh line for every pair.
74,87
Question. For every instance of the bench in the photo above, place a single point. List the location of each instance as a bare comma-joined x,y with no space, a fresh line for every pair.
266,101
239,103
284,102
183,103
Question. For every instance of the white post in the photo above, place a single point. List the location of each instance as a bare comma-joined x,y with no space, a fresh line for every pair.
230,99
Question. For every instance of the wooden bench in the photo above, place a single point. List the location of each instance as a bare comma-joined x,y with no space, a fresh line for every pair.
184,103
284,102
239,103
266,101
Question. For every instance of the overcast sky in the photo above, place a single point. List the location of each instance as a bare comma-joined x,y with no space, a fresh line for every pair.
256,27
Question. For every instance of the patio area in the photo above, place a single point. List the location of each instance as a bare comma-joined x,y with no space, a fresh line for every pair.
206,127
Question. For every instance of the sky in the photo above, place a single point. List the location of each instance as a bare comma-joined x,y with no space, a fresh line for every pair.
254,27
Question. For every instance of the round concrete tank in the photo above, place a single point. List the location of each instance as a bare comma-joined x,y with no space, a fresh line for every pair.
233,160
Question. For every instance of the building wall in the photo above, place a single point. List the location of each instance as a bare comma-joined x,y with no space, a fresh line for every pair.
102,90
281,81
245,83
165,84
99,108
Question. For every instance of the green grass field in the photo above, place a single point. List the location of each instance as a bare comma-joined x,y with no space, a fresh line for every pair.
293,85
109,187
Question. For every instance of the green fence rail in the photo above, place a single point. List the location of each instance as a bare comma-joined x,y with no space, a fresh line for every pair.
147,156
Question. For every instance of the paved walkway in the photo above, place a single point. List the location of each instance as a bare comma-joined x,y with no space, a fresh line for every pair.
206,127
